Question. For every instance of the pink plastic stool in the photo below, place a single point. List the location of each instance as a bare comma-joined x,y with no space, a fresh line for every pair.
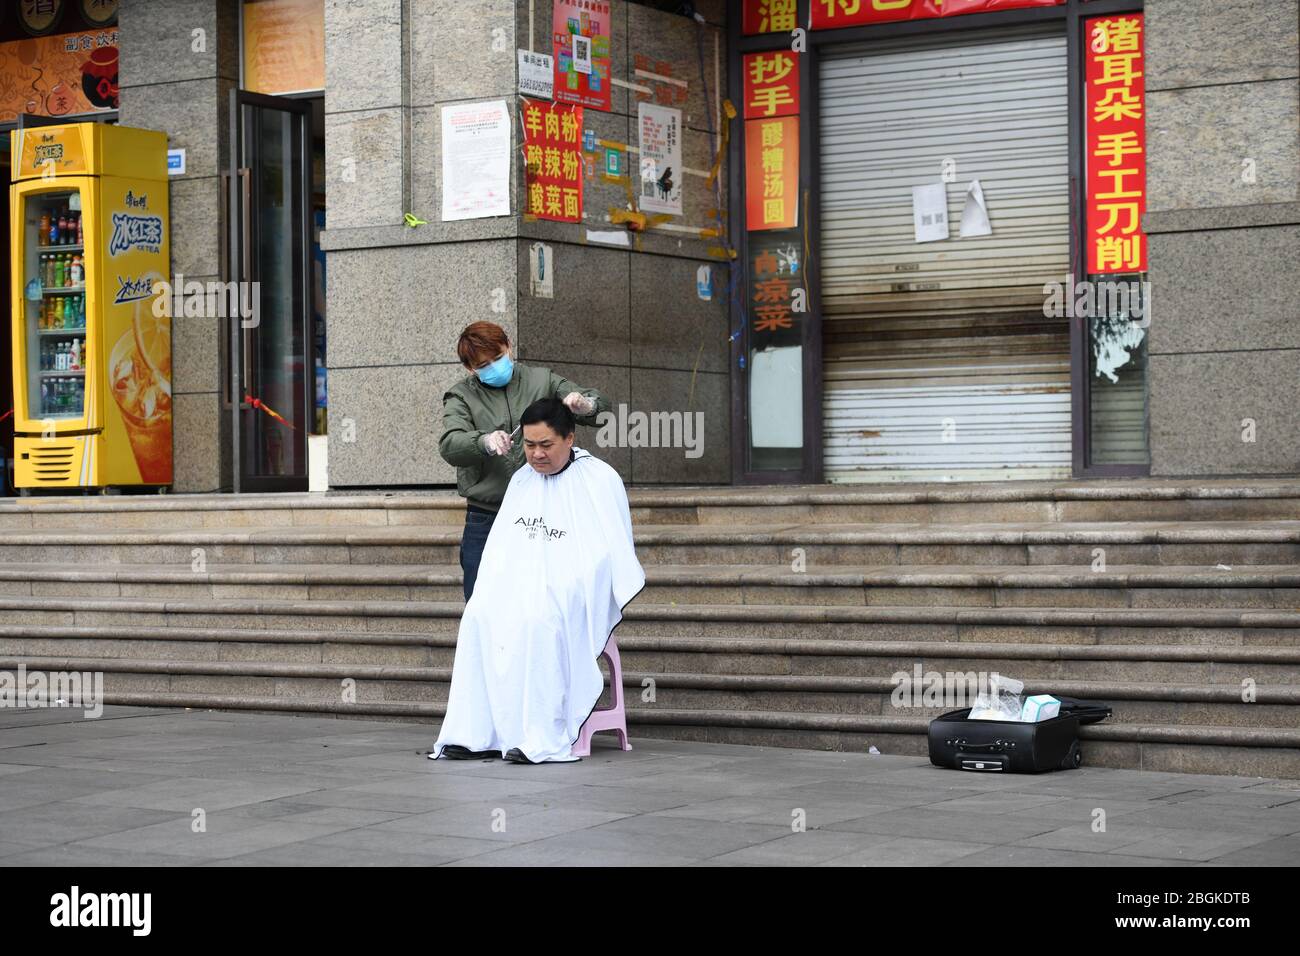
613,717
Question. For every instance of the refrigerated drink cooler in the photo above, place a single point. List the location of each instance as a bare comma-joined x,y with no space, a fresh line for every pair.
92,345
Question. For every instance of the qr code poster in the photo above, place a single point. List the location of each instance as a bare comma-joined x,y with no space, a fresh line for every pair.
580,41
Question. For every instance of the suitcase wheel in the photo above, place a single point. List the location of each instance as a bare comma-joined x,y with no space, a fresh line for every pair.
1072,758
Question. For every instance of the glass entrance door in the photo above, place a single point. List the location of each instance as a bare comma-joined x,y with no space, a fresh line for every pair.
267,364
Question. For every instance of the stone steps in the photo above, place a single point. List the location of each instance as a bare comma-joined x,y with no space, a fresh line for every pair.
1053,501
1134,701
778,616
1207,544
1133,586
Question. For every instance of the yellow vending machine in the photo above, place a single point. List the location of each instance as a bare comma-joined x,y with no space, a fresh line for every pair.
91,322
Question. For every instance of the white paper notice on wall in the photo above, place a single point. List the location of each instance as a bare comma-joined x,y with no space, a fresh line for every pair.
660,140
975,214
536,76
775,383
930,212
475,160
541,270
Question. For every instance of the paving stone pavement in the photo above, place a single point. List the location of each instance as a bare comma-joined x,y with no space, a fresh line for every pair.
128,789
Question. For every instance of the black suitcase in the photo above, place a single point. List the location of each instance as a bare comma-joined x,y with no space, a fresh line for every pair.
1011,746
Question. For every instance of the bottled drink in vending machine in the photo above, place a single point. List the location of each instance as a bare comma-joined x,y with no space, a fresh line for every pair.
80,237
76,271
43,230
76,355
63,227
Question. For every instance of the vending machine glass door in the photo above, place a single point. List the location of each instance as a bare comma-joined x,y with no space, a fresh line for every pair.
54,302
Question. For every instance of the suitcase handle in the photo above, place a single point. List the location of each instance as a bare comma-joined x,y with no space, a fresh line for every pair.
965,744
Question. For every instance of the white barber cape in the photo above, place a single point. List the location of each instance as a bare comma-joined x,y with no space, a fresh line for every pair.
557,570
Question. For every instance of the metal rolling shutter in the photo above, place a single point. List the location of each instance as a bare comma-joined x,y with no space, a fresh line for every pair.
922,334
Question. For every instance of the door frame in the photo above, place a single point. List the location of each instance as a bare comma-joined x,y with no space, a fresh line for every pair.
239,265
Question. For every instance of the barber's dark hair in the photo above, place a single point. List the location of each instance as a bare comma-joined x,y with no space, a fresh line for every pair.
553,412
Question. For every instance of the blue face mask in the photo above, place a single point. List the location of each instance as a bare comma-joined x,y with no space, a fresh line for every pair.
498,373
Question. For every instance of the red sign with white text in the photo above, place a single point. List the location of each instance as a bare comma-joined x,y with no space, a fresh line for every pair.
832,14
1115,144
771,84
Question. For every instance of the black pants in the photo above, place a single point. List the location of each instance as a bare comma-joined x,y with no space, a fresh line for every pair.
477,525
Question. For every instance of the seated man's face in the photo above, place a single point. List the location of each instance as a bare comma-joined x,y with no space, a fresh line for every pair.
546,451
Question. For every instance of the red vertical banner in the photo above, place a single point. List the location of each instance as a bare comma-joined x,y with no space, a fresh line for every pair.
772,173
583,65
833,14
552,160
771,84
769,16
1115,144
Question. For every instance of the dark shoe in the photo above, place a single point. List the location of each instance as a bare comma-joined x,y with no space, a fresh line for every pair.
457,752
515,755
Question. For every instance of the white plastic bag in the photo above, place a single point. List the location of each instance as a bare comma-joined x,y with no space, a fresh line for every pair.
1000,702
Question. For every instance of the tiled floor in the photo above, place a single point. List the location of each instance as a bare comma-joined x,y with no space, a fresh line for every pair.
150,786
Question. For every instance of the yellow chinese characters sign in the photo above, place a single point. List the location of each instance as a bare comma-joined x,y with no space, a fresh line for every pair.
1115,144
771,84
552,160
772,173
769,16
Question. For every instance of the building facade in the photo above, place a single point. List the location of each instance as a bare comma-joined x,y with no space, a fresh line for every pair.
903,231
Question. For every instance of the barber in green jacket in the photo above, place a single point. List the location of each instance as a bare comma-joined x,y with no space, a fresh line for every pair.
480,416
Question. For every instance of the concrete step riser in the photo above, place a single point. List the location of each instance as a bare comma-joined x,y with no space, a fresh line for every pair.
189,628
1229,674
174,517
813,556
199,554
363,690
1101,509
790,594
1119,755
1165,713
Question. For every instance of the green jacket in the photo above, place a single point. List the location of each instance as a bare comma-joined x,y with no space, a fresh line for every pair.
471,410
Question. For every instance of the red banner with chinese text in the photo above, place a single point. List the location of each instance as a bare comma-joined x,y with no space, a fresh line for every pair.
833,14
772,173
1115,144
771,84
769,16
552,160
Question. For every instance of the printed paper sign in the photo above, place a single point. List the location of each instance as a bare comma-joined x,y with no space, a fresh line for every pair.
540,269
475,161
975,214
660,130
930,212
536,78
